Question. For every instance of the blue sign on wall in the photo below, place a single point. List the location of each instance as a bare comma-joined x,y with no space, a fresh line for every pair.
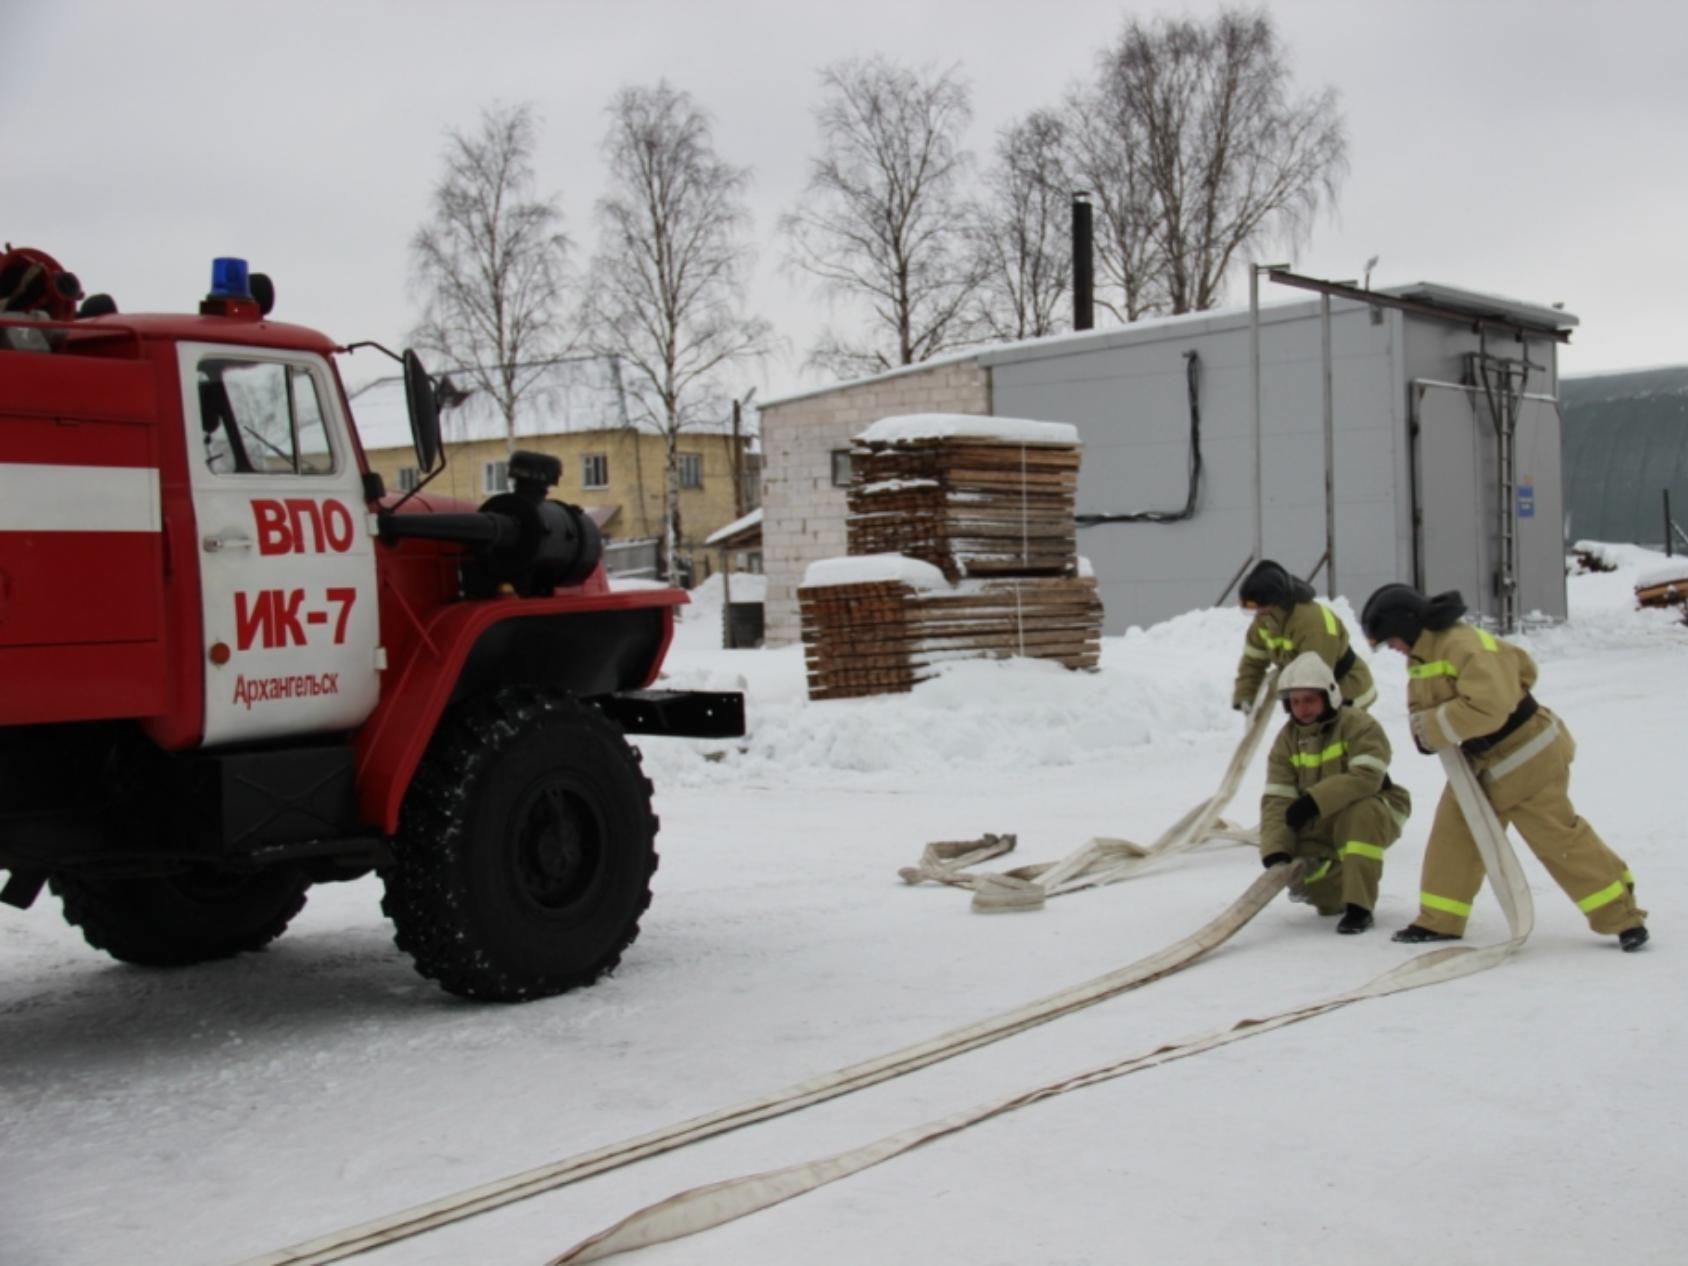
1526,501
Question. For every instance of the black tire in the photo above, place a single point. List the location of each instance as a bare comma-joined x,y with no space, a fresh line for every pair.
177,920
525,850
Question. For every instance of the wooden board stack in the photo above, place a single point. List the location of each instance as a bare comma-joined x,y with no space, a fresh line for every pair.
882,637
969,506
962,546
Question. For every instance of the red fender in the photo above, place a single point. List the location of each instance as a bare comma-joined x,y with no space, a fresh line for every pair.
391,743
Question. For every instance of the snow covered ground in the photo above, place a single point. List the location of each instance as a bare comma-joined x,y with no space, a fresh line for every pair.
1534,1113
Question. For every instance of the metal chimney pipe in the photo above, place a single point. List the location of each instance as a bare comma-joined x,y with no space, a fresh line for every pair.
1084,271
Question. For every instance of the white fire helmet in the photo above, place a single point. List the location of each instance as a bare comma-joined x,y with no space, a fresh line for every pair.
1308,672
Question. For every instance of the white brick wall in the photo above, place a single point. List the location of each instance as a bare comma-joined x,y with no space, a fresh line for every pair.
802,513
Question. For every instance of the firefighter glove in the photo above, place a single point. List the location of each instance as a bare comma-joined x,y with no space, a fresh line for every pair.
1275,859
1301,812
1417,721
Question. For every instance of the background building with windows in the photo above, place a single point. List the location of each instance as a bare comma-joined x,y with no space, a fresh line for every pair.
612,467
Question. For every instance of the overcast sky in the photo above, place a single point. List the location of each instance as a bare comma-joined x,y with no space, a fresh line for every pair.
1533,149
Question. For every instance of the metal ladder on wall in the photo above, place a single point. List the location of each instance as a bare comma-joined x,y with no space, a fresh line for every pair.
1504,381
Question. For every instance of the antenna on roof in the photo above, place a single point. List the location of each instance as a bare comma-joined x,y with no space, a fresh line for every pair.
1370,264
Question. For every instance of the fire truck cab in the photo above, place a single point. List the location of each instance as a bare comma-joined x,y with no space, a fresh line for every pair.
232,666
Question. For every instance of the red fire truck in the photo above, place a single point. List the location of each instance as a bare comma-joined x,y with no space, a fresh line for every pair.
232,665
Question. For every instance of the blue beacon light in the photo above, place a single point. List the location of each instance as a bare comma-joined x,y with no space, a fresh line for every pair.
229,279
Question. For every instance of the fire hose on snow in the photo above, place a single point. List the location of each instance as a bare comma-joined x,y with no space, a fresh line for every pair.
703,1207
712,1205
1102,860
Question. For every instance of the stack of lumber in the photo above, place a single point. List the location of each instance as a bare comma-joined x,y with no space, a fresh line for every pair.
882,637
1664,586
971,504
962,546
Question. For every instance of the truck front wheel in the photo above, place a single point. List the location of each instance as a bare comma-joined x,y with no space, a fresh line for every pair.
176,920
525,849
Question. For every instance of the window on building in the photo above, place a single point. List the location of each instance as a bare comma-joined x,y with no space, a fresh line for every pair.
409,478
691,470
751,480
595,470
495,477
842,467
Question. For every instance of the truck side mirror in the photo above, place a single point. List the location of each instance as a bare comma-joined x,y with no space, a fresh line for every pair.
424,409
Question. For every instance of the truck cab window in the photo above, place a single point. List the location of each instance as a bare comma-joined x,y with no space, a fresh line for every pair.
262,418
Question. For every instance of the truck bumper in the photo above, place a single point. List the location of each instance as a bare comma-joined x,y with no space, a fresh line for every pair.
677,713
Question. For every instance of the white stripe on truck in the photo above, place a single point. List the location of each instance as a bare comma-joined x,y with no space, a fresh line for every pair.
78,498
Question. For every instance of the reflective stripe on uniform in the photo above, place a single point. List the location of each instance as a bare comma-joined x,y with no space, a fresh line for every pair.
1534,748
1312,760
1447,905
1354,848
1370,762
1330,619
1318,874
1435,668
1276,643
1629,876
1282,789
1604,897
1254,652
1366,700
1488,640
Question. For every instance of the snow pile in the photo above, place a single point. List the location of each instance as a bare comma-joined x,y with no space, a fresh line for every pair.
1616,556
917,427
1604,617
1167,685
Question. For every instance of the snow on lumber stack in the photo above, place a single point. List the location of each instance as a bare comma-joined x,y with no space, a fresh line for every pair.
1663,586
973,496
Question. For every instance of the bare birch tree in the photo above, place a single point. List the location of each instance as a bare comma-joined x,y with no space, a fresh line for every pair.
1021,233
1231,157
666,288
491,263
881,221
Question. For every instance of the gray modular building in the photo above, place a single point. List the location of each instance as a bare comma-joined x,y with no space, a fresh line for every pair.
1444,440
1626,445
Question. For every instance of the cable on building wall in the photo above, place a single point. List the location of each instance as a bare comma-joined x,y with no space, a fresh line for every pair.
1192,375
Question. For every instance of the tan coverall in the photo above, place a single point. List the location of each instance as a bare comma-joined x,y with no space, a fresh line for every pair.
1278,636
1463,684
1343,763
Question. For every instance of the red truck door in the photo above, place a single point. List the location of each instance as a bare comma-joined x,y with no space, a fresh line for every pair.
287,557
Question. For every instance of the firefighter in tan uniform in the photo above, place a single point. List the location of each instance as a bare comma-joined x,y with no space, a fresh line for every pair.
1470,689
1328,795
1287,623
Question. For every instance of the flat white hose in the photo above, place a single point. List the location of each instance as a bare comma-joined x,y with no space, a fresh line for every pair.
703,1207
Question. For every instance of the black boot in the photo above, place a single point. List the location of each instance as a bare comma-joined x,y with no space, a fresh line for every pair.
1355,919
1412,934
1632,939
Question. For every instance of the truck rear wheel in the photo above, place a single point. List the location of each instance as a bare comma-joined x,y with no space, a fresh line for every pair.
525,849
177,920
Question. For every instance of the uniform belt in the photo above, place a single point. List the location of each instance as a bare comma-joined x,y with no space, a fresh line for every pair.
1344,664
1522,713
